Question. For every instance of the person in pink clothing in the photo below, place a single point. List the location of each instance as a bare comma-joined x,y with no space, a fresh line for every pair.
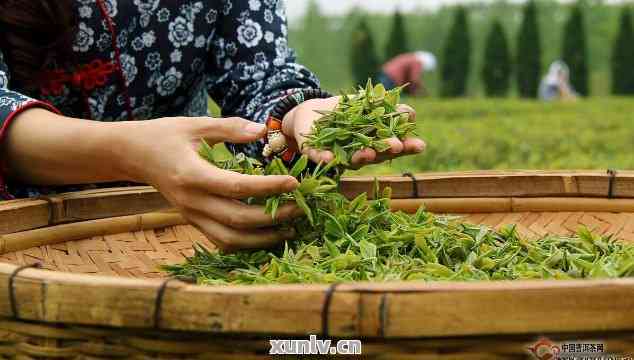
408,69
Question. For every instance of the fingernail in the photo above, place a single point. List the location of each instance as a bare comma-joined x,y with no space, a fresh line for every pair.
395,150
255,128
291,184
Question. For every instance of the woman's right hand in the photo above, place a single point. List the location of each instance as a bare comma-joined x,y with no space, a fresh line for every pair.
164,153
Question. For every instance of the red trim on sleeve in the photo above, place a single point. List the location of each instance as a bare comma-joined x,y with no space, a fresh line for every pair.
4,194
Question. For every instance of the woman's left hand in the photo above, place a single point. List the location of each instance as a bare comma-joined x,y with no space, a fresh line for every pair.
299,122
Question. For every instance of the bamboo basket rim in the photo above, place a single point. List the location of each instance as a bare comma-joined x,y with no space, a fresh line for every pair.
94,204
355,309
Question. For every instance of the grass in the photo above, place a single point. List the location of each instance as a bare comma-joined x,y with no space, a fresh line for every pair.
487,134
515,134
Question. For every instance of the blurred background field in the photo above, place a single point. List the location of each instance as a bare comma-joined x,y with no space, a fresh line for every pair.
518,134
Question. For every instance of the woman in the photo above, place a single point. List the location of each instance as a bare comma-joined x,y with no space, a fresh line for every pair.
556,84
78,76
408,69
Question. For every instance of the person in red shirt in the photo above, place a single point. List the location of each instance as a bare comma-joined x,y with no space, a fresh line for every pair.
408,69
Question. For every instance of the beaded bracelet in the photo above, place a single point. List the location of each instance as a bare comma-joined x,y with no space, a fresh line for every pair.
276,143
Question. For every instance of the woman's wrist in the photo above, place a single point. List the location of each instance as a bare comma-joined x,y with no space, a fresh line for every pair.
129,157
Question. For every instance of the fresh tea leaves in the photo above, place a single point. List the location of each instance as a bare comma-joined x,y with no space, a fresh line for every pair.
363,120
362,240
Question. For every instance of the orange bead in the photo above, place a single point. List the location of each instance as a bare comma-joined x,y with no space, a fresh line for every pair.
273,123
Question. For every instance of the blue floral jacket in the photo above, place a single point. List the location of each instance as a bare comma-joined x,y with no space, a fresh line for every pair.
145,59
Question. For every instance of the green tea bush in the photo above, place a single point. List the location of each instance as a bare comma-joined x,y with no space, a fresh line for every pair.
515,134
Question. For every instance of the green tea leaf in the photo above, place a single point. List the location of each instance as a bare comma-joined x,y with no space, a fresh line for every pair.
299,167
301,202
206,151
368,250
272,206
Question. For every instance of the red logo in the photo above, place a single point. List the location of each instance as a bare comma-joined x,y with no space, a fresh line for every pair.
544,349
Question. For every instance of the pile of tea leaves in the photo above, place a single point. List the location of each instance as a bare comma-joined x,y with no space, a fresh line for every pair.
343,240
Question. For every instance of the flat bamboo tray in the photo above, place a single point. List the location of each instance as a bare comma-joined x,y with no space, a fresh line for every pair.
100,295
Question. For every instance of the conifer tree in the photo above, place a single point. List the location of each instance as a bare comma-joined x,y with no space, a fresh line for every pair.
364,61
575,50
397,43
497,68
623,57
457,57
529,54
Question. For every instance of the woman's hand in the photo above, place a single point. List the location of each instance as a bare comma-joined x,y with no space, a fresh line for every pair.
299,122
163,153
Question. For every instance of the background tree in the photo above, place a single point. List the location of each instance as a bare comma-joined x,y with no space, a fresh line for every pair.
364,60
497,68
529,53
307,48
623,57
457,57
397,42
575,50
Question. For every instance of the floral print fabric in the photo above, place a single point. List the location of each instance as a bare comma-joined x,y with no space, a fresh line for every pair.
173,55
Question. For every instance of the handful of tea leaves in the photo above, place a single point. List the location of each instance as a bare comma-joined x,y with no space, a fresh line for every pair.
362,120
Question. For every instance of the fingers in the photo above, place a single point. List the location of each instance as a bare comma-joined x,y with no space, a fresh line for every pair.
363,157
396,146
228,239
232,185
241,216
370,156
319,156
407,109
413,146
408,146
234,130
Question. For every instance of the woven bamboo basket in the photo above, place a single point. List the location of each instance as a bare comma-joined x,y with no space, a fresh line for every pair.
99,293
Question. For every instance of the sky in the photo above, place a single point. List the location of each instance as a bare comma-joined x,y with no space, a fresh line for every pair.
296,8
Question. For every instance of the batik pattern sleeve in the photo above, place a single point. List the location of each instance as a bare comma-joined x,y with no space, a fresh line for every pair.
11,105
251,65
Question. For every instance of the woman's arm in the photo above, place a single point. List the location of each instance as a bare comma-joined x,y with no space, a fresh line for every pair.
44,148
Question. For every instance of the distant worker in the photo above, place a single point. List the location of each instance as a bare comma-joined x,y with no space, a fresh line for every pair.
556,84
408,68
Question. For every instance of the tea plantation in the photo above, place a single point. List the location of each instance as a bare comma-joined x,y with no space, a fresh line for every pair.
515,134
